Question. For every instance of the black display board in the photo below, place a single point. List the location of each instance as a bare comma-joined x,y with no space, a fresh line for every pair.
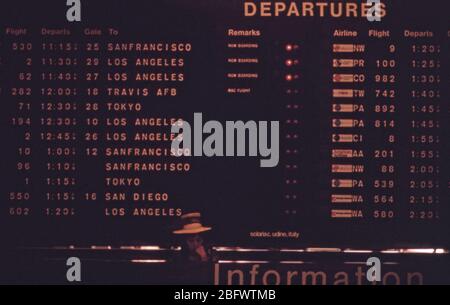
362,108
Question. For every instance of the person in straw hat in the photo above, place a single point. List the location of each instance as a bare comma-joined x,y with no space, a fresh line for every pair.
193,248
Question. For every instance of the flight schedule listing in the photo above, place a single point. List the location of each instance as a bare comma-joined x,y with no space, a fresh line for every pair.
285,123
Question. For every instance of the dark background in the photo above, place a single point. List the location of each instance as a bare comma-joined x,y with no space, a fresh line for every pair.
235,195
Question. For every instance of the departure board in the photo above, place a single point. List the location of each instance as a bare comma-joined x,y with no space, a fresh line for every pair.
285,123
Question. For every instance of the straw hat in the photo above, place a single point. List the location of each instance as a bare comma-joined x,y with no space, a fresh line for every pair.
191,224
